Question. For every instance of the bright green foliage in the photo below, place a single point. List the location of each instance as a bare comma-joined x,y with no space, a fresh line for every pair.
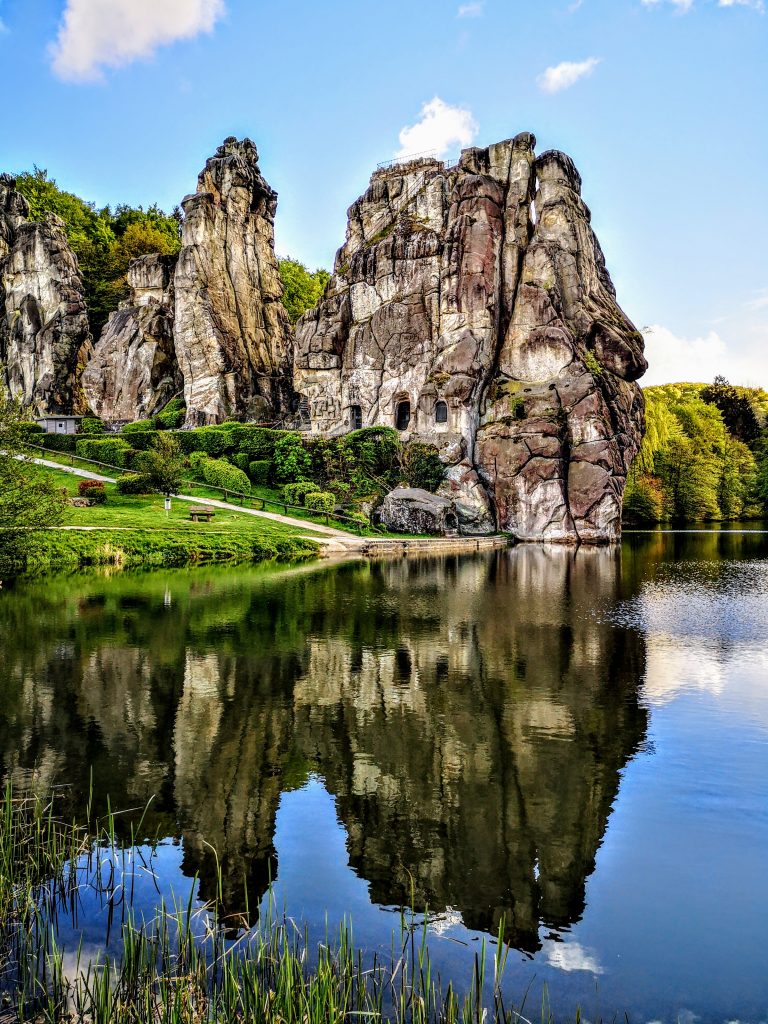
104,243
320,501
92,425
133,483
295,493
743,412
690,466
163,465
239,459
291,459
211,440
219,473
58,442
141,440
27,501
302,289
172,415
137,426
93,490
422,466
260,471
110,450
592,364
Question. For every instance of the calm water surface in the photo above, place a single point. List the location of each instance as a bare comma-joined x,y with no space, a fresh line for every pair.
573,742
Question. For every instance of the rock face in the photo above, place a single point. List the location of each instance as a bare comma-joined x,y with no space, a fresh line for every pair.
134,371
413,510
44,336
470,307
231,331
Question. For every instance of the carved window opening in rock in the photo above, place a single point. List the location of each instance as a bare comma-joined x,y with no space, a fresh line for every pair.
403,415
441,412
355,417
451,522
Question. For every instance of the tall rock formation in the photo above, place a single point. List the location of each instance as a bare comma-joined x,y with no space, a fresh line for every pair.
470,307
134,371
44,336
231,331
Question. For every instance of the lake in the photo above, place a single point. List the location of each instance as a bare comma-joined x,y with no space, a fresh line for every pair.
571,746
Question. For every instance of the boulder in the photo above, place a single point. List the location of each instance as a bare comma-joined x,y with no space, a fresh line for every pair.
413,510
471,308
134,372
45,341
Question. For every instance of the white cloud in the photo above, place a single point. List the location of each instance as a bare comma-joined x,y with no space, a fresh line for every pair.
686,5
439,128
571,956
563,76
95,34
471,10
756,5
681,5
672,359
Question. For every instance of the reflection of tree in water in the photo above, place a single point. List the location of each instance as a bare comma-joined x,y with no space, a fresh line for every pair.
471,716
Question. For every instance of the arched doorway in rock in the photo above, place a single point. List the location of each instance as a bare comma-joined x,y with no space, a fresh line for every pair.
441,411
403,414
355,417
451,522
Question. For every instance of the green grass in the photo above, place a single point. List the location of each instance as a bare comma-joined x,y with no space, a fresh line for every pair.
183,967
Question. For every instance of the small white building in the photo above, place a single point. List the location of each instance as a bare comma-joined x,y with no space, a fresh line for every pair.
59,424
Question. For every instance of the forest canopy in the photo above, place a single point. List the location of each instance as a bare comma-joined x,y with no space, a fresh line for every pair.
704,455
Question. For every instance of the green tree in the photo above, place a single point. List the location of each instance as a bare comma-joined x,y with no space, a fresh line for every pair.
302,289
28,501
736,408
163,465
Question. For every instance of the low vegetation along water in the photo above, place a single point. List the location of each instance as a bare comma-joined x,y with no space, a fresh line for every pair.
568,750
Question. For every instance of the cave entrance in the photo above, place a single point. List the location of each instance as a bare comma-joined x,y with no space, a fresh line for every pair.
441,412
403,415
355,417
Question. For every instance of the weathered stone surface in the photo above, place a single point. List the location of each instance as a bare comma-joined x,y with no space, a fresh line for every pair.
134,371
413,510
231,331
44,336
471,307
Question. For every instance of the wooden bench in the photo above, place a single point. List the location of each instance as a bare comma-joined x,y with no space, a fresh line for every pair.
201,515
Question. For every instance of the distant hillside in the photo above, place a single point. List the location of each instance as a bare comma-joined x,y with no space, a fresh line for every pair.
704,456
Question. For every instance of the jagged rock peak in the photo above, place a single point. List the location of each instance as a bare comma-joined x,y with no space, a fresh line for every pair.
134,371
44,337
471,307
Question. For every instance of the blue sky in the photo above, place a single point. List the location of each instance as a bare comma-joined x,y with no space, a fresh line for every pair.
661,103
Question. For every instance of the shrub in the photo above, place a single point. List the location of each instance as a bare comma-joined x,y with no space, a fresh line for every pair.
31,428
133,483
138,425
422,466
92,425
142,440
172,415
376,453
295,493
260,472
59,442
111,450
258,443
320,501
219,473
239,459
93,490
643,500
210,440
292,461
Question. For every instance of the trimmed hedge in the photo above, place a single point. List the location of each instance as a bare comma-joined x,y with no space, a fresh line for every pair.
112,450
59,442
92,425
172,415
320,501
31,428
295,493
260,471
133,483
258,443
143,440
137,426
239,459
210,440
219,473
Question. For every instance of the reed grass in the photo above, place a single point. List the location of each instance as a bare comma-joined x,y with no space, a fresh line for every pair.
189,964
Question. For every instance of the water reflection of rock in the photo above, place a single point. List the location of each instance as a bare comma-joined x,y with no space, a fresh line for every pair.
471,716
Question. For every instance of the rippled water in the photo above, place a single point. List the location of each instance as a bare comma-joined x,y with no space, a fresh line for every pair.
575,743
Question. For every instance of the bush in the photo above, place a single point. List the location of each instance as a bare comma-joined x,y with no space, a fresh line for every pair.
92,425
295,494
93,490
110,450
239,459
210,440
422,466
258,443
142,440
375,453
133,483
59,442
219,473
172,415
30,428
260,472
137,426
292,461
643,500
320,501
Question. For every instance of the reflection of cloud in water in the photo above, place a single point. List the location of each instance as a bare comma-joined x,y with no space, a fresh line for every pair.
571,956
